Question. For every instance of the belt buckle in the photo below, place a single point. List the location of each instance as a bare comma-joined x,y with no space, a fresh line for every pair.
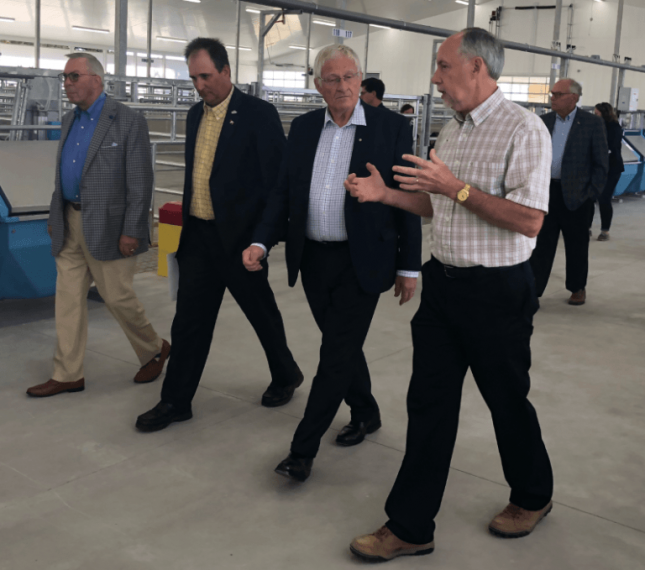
445,270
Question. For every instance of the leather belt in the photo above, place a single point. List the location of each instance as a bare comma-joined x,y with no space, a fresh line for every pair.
466,272
329,244
75,205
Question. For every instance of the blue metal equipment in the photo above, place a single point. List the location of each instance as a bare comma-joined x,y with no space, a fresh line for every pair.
27,268
632,180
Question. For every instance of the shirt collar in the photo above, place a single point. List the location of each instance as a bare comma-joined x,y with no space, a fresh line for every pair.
94,109
357,118
479,114
222,106
569,117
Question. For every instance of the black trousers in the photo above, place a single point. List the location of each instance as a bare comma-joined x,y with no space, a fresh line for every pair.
604,202
574,226
343,313
480,319
205,272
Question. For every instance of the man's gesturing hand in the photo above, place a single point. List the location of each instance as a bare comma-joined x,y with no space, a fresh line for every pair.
432,176
252,256
128,245
405,286
370,189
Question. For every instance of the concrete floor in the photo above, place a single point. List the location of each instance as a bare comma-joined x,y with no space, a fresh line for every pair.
81,489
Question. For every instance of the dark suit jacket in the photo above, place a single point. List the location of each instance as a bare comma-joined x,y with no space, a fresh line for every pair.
245,168
615,143
116,184
585,160
382,239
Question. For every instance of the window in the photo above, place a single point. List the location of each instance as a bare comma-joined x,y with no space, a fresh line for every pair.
525,89
288,79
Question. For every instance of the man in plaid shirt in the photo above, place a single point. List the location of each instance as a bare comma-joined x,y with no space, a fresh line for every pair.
486,187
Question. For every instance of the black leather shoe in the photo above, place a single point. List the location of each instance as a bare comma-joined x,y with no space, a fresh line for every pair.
161,416
354,433
280,395
296,468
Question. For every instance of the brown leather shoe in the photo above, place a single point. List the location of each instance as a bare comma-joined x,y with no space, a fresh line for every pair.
152,370
383,545
514,521
578,298
53,387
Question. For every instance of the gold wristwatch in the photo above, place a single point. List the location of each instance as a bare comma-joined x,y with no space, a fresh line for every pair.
463,194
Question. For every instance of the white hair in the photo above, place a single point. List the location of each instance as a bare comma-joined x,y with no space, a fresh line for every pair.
332,51
477,42
574,87
94,66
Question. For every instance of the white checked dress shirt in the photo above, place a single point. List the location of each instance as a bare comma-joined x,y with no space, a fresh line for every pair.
326,215
503,150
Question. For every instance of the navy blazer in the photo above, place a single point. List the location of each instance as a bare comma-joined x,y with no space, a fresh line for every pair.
382,239
586,158
245,168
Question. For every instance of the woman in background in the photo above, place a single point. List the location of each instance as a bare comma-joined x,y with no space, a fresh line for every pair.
616,167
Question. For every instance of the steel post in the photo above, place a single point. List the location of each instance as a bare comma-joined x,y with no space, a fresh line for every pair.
555,45
613,93
470,18
237,41
37,36
120,45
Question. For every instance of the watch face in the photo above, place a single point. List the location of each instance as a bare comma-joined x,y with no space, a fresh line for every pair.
462,195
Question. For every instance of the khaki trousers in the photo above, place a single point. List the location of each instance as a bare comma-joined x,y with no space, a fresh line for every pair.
76,271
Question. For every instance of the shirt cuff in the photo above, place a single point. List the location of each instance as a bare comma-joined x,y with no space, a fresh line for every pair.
264,248
413,274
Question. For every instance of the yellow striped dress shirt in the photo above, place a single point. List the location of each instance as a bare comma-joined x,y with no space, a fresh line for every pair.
208,134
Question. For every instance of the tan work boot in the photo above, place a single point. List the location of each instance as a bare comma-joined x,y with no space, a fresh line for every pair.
383,545
515,522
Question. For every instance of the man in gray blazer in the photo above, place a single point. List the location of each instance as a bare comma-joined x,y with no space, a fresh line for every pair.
98,223
578,173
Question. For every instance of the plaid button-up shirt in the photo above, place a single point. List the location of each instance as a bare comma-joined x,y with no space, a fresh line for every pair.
503,150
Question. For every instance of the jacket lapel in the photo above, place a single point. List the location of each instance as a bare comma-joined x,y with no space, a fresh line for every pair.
105,120
228,128
573,133
66,126
549,121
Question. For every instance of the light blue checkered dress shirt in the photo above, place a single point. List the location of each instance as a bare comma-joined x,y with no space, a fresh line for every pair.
561,130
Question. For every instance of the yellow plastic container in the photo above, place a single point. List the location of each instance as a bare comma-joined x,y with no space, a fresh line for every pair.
168,243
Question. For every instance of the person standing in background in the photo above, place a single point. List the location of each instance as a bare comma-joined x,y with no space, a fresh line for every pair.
578,175
616,167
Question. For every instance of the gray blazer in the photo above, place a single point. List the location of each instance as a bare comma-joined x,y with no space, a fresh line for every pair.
116,185
586,158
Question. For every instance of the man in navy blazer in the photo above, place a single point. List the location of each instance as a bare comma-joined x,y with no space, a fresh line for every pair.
578,174
346,253
234,146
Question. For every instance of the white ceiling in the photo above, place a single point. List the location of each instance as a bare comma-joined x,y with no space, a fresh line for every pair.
181,19
210,18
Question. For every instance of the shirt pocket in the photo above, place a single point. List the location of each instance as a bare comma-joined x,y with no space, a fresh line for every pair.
486,176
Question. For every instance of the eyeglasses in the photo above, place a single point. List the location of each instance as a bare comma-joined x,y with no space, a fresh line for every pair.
336,80
557,94
73,77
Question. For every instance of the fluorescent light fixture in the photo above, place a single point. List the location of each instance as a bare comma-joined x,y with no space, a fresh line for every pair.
324,23
176,57
241,48
462,2
169,39
194,1
84,29
7,19
298,47
127,52
139,54
377,26
253,11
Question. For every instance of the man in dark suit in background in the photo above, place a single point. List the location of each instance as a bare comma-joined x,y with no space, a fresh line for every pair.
372,91
578,174
347,253
234,146
98,222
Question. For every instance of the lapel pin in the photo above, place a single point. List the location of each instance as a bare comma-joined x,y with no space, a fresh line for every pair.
233,112
360,140
232,122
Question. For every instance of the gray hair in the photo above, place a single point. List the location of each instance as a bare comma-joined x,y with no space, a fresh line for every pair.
332,51
93,65
575,87
477,42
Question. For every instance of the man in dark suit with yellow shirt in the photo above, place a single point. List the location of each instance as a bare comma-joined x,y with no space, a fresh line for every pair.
234,146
